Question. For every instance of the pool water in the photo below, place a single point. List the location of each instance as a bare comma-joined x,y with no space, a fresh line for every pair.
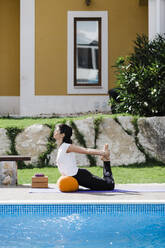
83,229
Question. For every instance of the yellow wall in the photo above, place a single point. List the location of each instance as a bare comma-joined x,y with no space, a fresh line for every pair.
126,19
9,47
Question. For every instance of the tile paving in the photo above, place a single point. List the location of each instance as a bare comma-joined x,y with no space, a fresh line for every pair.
129,193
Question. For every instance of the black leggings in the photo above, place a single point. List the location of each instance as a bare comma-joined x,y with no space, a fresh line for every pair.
86,179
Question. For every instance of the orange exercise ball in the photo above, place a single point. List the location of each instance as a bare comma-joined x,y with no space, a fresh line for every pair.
67,184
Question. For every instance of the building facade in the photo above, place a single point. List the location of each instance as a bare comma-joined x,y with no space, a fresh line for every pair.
56,57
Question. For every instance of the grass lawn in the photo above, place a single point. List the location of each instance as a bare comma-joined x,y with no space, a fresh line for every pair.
27,121
122,174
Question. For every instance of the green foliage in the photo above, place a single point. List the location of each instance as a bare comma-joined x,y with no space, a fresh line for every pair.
44,157
139,146
97,122
149,158
141,79
12,133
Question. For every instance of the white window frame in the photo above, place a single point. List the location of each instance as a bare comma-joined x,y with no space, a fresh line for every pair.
103,89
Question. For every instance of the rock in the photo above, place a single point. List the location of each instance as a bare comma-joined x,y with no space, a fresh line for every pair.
126,123
86,128
82,160
32,141
6,180
53,156
152,136
8,171
122,146
4,142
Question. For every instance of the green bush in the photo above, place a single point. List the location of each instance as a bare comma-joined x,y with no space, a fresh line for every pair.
141,79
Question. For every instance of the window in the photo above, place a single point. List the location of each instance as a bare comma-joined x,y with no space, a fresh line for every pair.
87,52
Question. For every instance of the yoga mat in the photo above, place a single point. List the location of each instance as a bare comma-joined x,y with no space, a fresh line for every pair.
127,189
43,190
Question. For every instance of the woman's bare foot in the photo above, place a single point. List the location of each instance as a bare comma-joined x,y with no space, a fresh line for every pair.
106,157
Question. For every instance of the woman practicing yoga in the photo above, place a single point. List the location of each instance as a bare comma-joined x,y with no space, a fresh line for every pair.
67,163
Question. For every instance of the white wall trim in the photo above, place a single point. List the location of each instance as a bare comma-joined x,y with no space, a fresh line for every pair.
27,55
70,60
156,15
162,16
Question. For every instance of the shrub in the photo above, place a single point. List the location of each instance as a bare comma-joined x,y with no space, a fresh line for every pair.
141,79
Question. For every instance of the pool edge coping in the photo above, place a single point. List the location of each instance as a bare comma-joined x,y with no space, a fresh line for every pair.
58,202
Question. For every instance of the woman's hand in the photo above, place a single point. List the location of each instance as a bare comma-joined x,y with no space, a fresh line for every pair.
106,156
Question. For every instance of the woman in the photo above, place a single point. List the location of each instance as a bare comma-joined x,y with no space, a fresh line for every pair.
67,163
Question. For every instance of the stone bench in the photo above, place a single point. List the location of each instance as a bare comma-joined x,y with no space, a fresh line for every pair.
8,168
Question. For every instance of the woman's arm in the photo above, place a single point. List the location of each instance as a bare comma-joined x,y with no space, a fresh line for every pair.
82,150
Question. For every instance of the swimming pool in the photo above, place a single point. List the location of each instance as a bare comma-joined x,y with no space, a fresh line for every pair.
82,225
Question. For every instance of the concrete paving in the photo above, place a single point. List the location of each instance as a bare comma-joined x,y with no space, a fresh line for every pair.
131,193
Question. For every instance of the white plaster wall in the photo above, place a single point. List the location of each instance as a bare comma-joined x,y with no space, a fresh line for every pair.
65,105
9,105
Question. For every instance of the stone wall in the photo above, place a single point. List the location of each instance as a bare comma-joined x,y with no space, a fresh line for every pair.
130,141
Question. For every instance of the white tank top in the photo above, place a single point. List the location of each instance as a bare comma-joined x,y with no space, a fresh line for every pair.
66,162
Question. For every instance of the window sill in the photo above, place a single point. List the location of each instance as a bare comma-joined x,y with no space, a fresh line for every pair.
88,87
87,90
